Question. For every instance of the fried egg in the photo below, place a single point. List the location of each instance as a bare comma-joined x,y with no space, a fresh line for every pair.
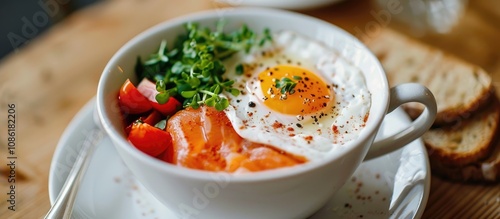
327,108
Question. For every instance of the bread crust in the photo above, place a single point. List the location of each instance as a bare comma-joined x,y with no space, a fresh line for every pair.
470,173
459,87
441,145
482,163
452,115
468,108
487,171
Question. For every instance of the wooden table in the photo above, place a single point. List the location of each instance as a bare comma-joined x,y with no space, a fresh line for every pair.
52,77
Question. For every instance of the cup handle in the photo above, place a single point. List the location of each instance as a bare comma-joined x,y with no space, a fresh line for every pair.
400,94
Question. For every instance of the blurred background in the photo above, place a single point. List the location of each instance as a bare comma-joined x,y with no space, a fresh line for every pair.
23,20
430,21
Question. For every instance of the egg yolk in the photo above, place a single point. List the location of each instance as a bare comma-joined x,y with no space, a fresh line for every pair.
310,94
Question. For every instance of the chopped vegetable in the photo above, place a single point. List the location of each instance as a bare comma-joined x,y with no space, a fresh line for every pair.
148,89
131,100
189,74
152,119
148,139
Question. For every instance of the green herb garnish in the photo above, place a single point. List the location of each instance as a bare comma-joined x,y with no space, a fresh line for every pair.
287,85
192,70
162,124
239,69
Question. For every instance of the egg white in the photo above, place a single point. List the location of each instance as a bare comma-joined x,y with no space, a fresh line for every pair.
311,136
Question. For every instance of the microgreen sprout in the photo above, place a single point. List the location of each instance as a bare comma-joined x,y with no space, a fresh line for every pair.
192,69
287,85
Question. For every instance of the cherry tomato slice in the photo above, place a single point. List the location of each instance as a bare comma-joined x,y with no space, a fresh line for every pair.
151,118
169,108
167,155
131,100
149,139
148,89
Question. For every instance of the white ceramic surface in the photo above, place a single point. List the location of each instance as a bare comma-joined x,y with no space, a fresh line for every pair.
395,185
282,193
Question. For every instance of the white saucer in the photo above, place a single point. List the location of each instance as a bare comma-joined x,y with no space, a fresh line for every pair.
392,186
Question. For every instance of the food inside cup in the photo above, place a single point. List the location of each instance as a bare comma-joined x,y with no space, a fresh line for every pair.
243,101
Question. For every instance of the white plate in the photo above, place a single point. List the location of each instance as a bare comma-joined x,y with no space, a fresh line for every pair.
392,186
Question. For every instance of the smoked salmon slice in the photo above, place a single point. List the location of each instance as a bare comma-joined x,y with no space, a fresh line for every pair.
204,139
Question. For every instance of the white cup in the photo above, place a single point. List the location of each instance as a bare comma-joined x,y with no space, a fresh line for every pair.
282,193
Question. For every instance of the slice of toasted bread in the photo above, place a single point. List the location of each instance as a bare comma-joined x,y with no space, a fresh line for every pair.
460,88
467,142
480,171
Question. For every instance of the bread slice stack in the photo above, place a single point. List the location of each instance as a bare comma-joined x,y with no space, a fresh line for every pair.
468,151
463,143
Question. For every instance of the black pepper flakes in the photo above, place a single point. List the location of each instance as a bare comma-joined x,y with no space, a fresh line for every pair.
251,104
